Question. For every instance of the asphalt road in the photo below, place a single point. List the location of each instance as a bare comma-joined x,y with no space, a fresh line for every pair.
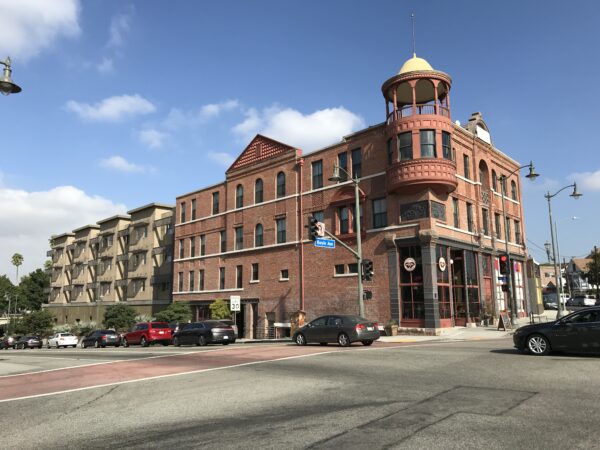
476,394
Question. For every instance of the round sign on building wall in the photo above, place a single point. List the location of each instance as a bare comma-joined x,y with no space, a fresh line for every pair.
442,263
410,264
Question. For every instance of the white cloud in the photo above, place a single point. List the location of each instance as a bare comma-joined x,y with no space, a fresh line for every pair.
30,218
112,109
152,138
308,132
105,66
222,158
120,164
178,119
587,181
119,26
29,26
214,109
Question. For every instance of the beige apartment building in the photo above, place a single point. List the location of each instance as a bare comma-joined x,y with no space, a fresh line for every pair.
121,259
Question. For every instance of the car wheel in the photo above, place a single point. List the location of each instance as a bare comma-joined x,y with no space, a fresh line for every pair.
96,344
367,342
83,345
343,340
538,345
300,339
48,345
144,342
202,341
124,343
176,342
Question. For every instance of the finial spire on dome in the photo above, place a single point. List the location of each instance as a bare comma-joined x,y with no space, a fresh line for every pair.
412,17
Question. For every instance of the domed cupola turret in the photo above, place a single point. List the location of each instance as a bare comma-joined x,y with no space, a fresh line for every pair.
419,128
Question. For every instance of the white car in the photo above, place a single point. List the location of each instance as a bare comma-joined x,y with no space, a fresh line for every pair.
62,340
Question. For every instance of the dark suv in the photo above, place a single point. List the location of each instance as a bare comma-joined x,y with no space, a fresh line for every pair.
146,333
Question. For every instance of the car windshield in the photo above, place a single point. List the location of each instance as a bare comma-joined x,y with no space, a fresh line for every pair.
108,332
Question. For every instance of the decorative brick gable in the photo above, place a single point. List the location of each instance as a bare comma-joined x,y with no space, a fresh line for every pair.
260,148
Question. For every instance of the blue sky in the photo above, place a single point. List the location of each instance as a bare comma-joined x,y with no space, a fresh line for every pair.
127,103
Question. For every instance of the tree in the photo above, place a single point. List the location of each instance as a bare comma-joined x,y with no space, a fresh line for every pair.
31,290
7,292
36,322
17,260
219,309
119,317
593,269
175,312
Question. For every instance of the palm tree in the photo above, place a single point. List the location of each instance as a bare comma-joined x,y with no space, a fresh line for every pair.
17,260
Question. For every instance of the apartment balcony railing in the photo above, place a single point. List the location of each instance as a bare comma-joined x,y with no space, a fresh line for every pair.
423,172
122,283
123,257
162,222
420,110
124,232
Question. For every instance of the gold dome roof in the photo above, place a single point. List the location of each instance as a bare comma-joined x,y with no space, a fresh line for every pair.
415,64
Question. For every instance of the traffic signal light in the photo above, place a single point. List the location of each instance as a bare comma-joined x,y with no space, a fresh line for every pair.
367,270
504,264
312,228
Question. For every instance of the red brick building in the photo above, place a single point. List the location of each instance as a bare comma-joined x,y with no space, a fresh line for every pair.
429,193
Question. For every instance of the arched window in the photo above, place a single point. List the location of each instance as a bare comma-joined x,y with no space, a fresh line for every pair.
239,196
280,185
258,191
258,235
513,190
494,181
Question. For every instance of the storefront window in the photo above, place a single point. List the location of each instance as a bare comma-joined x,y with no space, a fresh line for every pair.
411,283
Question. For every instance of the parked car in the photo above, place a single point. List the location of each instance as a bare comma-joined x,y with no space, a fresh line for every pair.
343,329
28,342
9,341
578,332
59,340
581,300
232,324
205,332
101,338
550,303
146,333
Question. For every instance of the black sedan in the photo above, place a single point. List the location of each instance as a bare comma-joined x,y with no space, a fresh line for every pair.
203,333
28,342
337,328
578,332
101,338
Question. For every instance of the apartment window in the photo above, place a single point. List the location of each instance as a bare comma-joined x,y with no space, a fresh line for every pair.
339,269
221,278
518,232
181,248
201,280
239,274
258,235
513,190
469,217
141,232
138,258
284,274
446,145
239,196
191,281
280,185
428,144
497,226
379,213
508,234
494,181
239,238
223,236
180,282
255,274
405,146
215,203
194,209
353,268
317,174
356,163
182,212
485,216
343,164
467,171
202,245
192,247
390,152
281,238
455,212
344,219
258,191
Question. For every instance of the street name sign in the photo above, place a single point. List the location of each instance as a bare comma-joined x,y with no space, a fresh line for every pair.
326,243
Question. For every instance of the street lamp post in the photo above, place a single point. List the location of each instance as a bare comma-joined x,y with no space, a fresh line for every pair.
358,254
532,175
575,194
7,86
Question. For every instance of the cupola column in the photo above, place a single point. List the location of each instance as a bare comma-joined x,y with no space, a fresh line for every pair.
387,111
435,95
413,84
395,105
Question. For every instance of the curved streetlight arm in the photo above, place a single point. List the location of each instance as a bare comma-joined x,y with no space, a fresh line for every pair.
548,196
532,173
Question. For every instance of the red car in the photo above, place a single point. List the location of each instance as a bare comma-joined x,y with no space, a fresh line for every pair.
146,333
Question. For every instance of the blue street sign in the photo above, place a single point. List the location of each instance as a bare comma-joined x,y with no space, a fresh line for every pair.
327,243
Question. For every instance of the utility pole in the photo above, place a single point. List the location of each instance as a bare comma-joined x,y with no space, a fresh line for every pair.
596,266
